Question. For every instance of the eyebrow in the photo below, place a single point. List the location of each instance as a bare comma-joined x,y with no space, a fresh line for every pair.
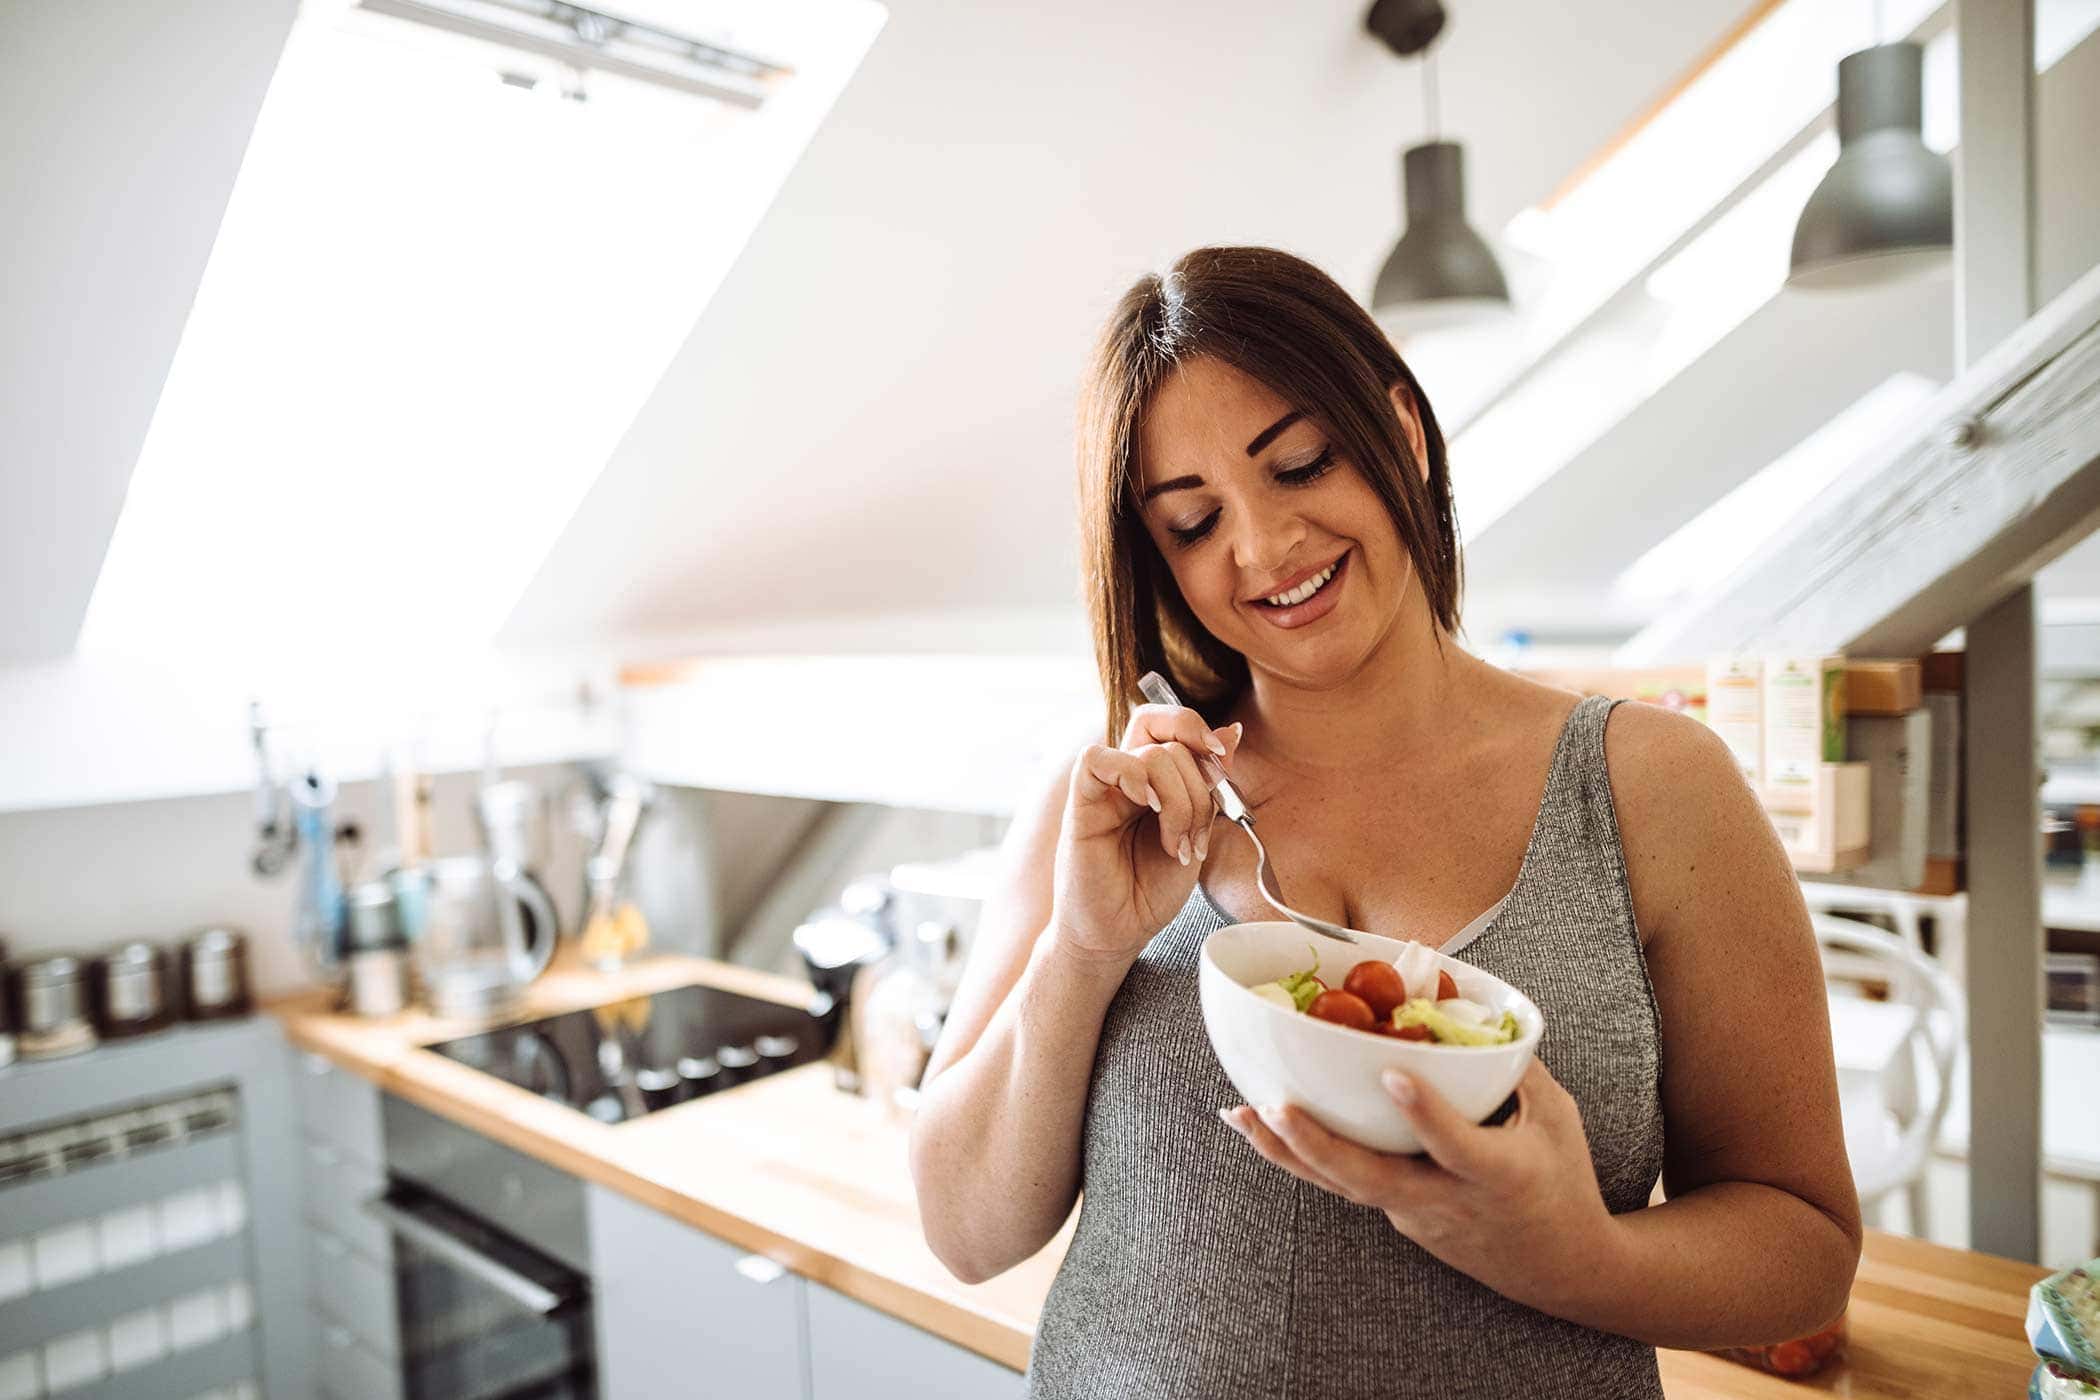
1261,439
1268,435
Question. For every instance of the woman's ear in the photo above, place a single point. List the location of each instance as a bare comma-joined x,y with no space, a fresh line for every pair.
1411,424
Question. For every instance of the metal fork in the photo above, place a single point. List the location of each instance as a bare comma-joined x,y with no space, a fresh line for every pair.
1228,801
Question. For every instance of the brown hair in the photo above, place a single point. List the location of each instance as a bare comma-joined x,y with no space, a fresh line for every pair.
1280,320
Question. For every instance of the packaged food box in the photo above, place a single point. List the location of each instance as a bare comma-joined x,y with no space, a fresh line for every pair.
1834,829
1804,721
1735,710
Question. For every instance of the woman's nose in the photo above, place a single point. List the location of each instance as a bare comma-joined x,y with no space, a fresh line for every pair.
1265,542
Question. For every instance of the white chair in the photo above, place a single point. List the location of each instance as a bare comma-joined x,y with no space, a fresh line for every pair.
1949,915
1885,1051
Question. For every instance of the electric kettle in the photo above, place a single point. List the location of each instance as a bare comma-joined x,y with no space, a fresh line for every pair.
481,930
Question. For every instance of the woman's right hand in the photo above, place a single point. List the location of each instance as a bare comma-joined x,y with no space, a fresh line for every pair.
1129,814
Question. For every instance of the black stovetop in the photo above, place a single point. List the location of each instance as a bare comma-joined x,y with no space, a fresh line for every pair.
629,1058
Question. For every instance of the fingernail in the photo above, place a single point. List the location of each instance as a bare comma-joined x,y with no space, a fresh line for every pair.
1217,745
1203,847
1239,730
1230,1121
1153,798
1184,850
1401,1086
1272,1115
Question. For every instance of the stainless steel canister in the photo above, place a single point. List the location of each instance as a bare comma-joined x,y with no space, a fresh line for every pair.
128,990
214,967
377,954
52,994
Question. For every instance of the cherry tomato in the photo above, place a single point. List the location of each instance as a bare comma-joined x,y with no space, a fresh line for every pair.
1790,1359
1379,986
1445,987
1826,1342
1413,1033
1343,1009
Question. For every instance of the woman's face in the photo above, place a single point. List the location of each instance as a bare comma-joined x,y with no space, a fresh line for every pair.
1246,499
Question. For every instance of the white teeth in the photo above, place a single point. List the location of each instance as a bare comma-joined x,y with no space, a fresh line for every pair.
1304,590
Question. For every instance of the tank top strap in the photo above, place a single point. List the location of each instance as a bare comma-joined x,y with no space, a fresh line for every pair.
1577,822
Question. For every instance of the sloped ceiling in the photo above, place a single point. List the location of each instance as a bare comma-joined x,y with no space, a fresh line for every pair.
873,416
1548,566
121,129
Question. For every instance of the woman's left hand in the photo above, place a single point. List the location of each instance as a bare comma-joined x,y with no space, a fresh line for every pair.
1516,1205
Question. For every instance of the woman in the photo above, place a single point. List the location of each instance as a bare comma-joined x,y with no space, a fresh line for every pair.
1246,429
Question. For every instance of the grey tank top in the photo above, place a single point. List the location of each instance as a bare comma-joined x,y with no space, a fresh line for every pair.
1197,1269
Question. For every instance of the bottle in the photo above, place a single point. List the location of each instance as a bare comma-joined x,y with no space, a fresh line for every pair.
901,1004
940,963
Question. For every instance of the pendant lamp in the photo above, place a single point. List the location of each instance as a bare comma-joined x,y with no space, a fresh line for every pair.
1441,272
1886,208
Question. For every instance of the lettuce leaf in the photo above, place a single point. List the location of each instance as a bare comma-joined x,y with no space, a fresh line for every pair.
1300,987
1448,1030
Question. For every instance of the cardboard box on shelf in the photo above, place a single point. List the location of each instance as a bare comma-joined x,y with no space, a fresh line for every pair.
1883,687
1834,833
1897,750
1804,722
1943,800
1942,876
1941,670
1941,674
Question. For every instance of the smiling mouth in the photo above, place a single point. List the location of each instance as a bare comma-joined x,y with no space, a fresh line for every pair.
1306,591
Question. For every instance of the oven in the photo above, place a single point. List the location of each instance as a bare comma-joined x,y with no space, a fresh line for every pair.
491,1265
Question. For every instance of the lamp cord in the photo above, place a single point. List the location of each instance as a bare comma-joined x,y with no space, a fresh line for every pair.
1429,97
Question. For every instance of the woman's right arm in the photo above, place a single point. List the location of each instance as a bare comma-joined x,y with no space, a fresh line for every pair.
995,1148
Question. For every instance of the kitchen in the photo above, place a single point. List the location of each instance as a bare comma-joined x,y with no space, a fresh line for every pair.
531,603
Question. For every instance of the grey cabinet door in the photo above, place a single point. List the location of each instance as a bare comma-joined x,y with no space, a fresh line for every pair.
682,1316
859,1353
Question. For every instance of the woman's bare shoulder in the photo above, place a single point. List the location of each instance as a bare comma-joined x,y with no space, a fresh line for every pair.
1691,827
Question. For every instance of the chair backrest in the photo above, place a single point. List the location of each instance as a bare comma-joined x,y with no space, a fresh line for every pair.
1901,910
1861,952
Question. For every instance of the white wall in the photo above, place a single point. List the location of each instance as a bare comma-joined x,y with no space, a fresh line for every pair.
97,729
79,879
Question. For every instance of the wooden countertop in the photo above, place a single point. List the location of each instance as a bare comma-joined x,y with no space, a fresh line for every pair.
790,1168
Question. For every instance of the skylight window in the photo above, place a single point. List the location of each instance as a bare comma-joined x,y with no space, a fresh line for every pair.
443,288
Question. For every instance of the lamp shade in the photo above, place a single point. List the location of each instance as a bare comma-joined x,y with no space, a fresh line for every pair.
1441,272
1886,208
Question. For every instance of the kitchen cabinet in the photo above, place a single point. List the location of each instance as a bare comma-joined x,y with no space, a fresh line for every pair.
680,1315
349,1257
859,1353
150,1194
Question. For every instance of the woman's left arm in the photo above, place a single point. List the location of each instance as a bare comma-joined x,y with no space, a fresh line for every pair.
1759,1238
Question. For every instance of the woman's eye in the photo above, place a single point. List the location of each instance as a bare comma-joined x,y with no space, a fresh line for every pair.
1297,476
1317,467
1194,533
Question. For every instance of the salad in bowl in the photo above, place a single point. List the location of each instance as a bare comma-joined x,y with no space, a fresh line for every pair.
1312,1021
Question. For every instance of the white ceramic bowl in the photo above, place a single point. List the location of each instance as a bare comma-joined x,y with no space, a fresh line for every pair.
1276,1056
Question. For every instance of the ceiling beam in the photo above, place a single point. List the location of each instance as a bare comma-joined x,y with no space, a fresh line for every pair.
2001,476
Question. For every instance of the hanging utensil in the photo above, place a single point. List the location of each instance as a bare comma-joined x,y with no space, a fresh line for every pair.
317,923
